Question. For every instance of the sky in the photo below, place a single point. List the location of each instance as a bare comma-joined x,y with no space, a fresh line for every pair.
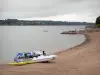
57,10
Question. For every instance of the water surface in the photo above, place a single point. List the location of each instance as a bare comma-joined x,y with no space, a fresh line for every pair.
15,39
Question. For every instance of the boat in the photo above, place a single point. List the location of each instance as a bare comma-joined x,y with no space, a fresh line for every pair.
44,58
37,57
21,63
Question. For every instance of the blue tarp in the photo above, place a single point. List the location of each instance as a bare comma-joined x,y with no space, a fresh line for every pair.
16,60
29,54
20,55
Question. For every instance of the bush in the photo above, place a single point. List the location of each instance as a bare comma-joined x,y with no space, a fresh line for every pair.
98,21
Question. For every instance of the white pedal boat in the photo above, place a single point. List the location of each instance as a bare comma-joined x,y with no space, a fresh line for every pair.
39,57
43,58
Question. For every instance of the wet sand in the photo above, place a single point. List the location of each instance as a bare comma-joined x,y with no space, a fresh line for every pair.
80,60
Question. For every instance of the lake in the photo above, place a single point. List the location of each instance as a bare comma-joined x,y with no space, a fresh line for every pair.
15,39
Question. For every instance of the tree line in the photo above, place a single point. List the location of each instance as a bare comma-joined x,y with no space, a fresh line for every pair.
40,22
98,21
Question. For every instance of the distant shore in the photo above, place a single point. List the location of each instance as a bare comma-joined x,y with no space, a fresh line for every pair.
79,60
14,22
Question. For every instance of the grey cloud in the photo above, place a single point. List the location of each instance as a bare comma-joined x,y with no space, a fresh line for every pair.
45,8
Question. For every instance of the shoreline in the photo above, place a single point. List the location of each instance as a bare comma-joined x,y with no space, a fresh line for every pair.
83,59
65,50
87,39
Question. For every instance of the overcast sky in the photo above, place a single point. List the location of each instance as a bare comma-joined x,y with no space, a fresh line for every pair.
65,10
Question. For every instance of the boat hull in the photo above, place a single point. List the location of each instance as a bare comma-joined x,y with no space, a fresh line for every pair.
44,58
21,63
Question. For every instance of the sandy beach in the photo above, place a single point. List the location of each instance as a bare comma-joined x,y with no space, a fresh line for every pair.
80,60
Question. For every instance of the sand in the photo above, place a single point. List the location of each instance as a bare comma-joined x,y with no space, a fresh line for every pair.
80,60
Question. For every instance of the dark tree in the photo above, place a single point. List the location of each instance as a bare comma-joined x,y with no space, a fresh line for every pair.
98,21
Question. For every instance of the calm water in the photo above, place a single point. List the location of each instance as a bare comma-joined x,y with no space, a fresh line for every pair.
15,39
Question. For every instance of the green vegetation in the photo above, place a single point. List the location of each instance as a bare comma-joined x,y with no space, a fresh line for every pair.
98,25
98,21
